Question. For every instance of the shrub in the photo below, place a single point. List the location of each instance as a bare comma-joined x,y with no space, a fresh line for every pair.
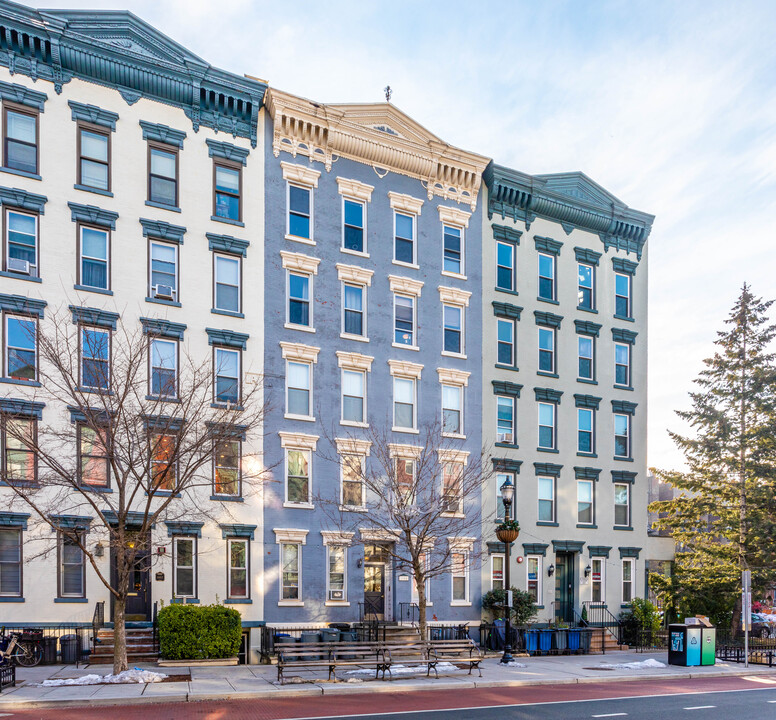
523,608
199,632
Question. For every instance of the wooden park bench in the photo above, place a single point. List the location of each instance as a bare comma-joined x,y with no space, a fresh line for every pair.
457,652
330,657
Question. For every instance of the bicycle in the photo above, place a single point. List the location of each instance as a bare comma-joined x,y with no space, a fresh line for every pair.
24,653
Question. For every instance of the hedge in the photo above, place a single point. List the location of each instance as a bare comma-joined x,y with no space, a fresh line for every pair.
197,632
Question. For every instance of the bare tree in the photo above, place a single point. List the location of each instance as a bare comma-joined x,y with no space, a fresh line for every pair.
421,502
131,411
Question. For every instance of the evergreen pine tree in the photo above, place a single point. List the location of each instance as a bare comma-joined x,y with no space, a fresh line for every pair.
723,516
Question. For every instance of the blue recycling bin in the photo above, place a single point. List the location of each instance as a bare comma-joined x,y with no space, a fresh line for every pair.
545,640
531,641
573,636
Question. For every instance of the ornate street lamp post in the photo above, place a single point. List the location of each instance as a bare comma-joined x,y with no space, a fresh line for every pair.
507,533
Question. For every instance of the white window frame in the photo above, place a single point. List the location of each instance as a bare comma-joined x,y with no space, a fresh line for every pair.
591,484
229,567
628,562
414,344
513,404
344,548
355,201
580,286
305,503
83,328
460,467
35,267
82,565
107,233
364,415
554,426
628,297
19,563
553,500
216,375
309,189
462,332
229,258
414,428
343,332
553,349
539,579
6,347
601,561
298,600
461,429
461,230
627,487
513,249
362,460
502,579
310,305
627,366
425,560
414,217
589,412
174,343
553,277
193,566
176,283
414,478
309,366
513,332
627,435
467,589
501,477
591,340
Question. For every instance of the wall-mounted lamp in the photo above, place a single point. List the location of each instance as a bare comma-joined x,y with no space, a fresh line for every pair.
359,563
99,550
551,570
588,570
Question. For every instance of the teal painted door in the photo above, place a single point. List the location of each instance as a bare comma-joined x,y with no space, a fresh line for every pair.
564,586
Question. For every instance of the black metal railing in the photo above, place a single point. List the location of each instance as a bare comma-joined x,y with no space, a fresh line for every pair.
599,616
65,643
155,626
7,675
448,631
409,613
642,640
737,654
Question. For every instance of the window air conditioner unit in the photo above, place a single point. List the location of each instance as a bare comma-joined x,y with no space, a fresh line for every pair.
506,438
18,265
164,292
336,594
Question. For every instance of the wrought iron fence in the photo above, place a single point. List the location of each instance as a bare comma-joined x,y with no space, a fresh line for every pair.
409,613
66,644
7,675
737,654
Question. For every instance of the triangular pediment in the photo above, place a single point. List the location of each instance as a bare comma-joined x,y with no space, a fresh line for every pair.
386,119
124,33
579,186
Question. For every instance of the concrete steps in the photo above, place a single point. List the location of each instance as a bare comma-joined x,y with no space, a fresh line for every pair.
140,646
609,642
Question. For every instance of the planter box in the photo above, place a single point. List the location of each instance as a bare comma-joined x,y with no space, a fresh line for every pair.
214,662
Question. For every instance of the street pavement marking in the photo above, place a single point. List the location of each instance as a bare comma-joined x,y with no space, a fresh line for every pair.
611,715
701,707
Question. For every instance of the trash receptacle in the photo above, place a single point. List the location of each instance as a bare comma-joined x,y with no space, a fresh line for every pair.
310,637
684,646
545,640
708,645
49,650
68,645
531,641
560,640
585,636
342,627
573,640
330,634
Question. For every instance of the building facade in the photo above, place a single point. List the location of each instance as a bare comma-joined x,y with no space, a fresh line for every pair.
565,387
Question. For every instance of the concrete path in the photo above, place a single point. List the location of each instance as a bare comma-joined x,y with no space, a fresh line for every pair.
251,681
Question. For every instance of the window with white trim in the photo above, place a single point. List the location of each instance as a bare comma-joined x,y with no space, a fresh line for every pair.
238,552
227,375
459,573
585,350
546,349
622,435
585,502
352,476
452,409
226,277
20,146
505,266
184,564
533,572
585,431
405,480
622,504
299,296
18,439
506,342
298,483
425,562
20,342
164,368
299,389
227,467
95,357
622,295
627,580
547,434
163,461
404,320
501,478
546,276
163,271
404,237
452,487
353,309
546,499
505,419
227,190
291,575
496,572
93,456
452,239
94,157
300,211
353,225
72,566
353,396
622,371
453,329
404,403
21,243
94,257
585,287
598,580
163,175
336,575
10,562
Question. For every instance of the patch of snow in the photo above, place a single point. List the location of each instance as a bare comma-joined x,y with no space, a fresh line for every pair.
514,663
640,665
406,669
135,675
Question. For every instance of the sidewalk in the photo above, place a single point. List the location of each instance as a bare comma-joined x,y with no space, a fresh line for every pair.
251,681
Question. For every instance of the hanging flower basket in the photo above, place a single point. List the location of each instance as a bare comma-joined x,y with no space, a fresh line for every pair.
508,531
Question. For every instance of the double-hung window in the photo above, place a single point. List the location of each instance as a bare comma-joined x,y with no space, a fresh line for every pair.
452,409
238,552
300,213
622,435
163,175
72,568
585,502
452,321
18,440
547,359
533,571
298,476
164,368
21,243
299,389
227,271
163,271
546,277
93,457
353,396
622,295
547,434
622,364
94,158
452,487
627,580
622,504
598,580
459,572
506,342
184,561
20,147
404,238
405,480
496,572
501,478
299,310
95,357
404,398
94,258
336,585
291,577
353,225
164,461
21,347
505,266
585,358
546,512
352,472
227,191
353,315
585,431
404,320
227,467
585,287
10,562
227,376
505,419
452,239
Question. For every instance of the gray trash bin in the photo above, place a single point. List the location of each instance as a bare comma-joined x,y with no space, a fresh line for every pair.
330,635
49,650
310,637
68,645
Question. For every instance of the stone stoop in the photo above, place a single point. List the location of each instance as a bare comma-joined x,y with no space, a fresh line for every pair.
401,634
609,644
140,646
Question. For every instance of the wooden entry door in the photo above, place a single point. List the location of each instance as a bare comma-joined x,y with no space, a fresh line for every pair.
374,590
564,586
139,596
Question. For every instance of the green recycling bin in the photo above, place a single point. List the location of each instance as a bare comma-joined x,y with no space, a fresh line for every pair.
708,645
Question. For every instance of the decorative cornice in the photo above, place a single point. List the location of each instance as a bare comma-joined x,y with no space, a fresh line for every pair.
453,295
297,441
180,527
290,535
162,134
547,245
506,465
405,285
70,522
226,430
622,265
21,408
337,537
450,455
163,424
14,520
506,310
453,216
94,316
623,406
93,215
629,552
461,543
585,327
297,351
548,394
354,274
354,189
404,451
571,199
625,336
93,114
227,244
404,368
586,473
231,530
354,361
352,446
379,135
623,476
158,327
585,255
96,416
302,263
227,338
574,546
453,377
163,230
300,174
22,95
547,469
21,304
227,151
587,401
15,197
599,550
405,203
535,548
506,234
548,319
501,387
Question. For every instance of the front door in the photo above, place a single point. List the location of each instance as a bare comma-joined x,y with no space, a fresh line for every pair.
374,590
564,586
139,595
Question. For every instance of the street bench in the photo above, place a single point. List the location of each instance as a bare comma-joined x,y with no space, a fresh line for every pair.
457,652
330,657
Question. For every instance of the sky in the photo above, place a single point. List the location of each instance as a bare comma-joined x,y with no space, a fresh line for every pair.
669,105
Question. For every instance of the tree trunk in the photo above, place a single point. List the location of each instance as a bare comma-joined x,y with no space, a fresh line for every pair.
420,582
119,635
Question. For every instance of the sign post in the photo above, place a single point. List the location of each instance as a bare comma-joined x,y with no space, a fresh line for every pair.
746,611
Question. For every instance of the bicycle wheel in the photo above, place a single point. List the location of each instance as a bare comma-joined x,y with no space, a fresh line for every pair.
29,654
